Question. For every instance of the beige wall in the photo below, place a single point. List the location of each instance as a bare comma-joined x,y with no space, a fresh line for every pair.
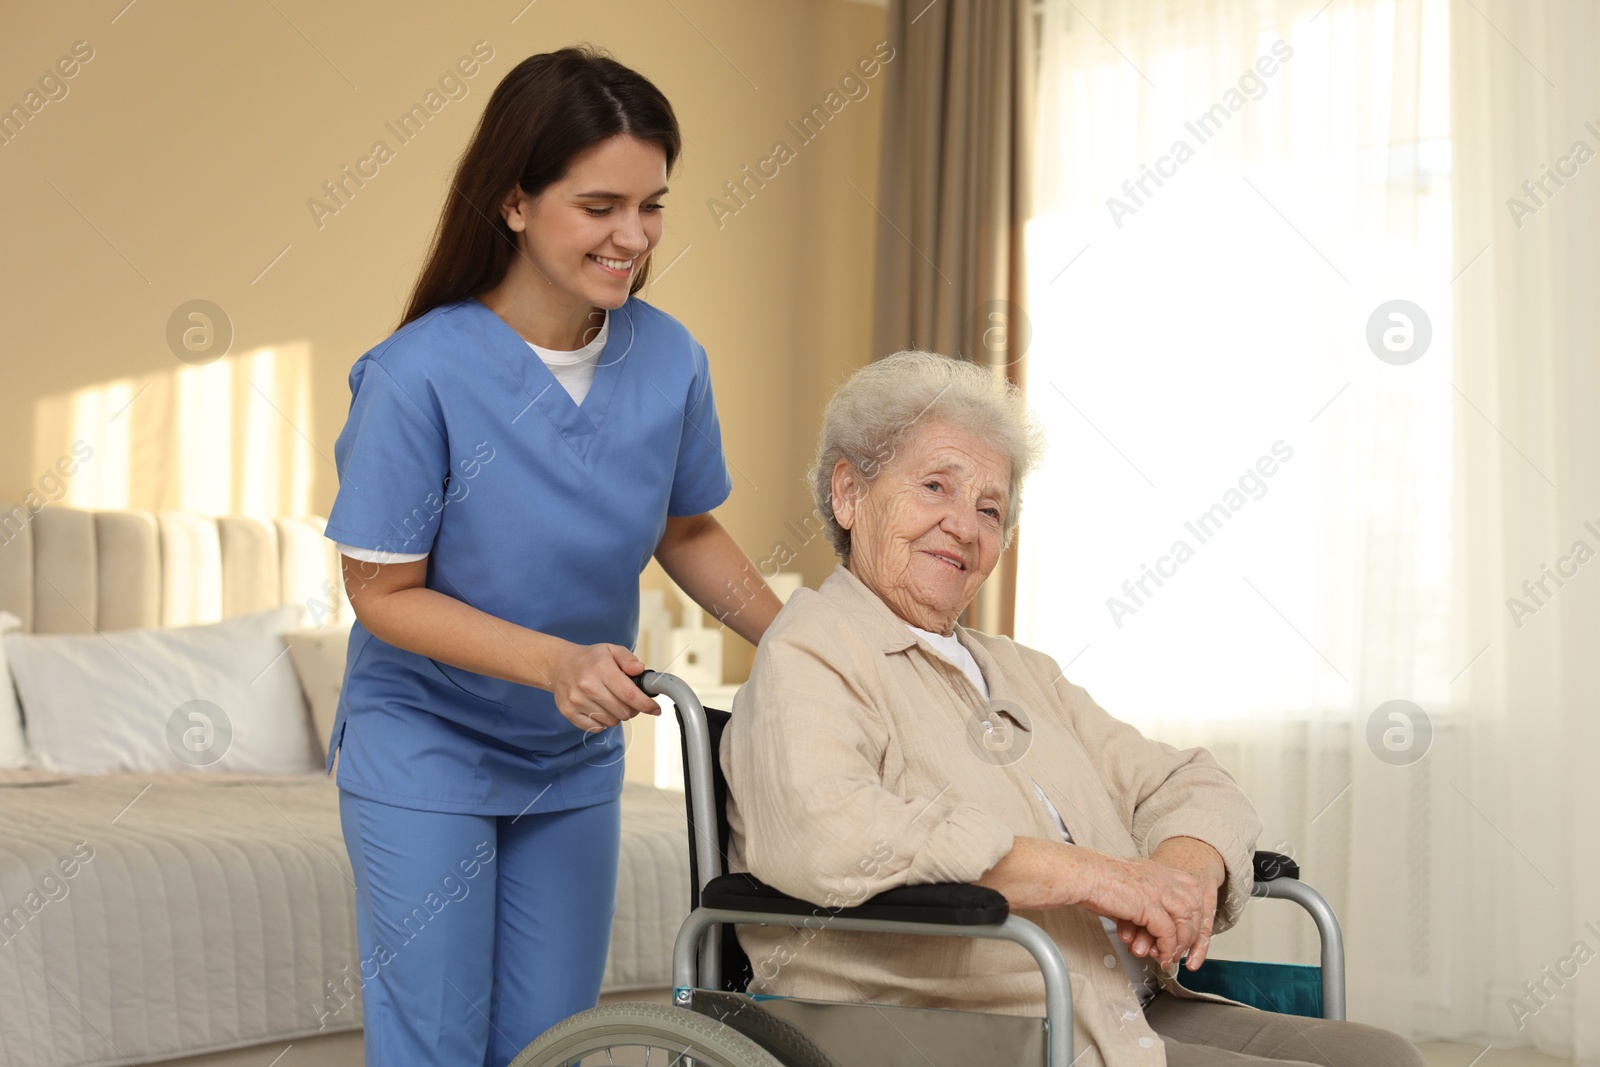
181,159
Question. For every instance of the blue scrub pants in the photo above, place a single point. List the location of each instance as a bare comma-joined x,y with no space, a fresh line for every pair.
477,932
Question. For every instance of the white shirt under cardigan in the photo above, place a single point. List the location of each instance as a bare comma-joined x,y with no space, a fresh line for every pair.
955,653
574,370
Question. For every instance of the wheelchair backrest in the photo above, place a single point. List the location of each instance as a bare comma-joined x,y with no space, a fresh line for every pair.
716,722
736,968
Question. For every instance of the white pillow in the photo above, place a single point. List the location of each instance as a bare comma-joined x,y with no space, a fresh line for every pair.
319,657
218,698
13,745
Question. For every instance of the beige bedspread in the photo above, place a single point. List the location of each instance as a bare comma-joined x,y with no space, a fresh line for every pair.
148,917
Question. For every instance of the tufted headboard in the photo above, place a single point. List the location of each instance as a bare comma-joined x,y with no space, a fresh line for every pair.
64,570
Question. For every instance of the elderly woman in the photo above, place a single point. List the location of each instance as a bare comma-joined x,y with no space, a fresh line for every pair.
880,744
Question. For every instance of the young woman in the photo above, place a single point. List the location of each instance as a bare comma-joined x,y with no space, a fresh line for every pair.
514,455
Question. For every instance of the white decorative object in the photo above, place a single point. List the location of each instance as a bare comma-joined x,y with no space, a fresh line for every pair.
695,655
668,766
655,628
694,652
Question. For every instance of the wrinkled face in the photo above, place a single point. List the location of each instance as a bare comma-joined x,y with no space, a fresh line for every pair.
926,532
588,232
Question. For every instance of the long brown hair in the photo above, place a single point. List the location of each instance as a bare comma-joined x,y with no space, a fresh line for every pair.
546,111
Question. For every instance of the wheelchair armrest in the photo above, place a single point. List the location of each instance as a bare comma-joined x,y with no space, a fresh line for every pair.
945,903
1271,866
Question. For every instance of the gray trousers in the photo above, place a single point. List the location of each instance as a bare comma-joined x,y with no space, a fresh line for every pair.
1200,1033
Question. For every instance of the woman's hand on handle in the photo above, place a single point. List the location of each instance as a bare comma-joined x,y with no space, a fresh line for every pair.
594,686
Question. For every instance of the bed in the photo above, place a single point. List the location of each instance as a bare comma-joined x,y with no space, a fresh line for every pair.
148,916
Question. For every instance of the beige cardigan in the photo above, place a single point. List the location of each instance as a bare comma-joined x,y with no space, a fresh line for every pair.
857,762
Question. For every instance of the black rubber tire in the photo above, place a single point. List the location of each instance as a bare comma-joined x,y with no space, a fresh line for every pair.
677,1031
777,1036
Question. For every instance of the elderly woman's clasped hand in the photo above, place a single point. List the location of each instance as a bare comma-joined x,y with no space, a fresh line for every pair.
1180,879
1164,906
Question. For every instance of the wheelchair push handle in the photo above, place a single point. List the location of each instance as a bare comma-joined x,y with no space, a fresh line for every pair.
657,684
697,753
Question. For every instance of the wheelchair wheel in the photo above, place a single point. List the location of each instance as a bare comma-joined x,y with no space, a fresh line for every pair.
781,1040
643,1035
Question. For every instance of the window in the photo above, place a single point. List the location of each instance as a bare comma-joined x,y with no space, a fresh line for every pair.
1229,196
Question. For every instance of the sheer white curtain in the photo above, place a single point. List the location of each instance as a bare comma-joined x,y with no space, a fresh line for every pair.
1526,95
1278,500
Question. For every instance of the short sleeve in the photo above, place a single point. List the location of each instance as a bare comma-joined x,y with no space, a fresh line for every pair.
392,461
700,481
373,555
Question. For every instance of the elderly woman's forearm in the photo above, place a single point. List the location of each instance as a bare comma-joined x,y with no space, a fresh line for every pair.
1038,874
1167,908
1199,858
854,844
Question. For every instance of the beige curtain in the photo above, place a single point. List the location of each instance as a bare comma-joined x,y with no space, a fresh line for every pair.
953,199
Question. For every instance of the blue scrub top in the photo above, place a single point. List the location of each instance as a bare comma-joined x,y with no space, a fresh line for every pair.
461,444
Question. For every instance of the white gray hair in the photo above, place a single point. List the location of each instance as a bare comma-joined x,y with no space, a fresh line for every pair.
880,404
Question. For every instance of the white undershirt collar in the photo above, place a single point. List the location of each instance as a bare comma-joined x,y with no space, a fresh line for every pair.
575,369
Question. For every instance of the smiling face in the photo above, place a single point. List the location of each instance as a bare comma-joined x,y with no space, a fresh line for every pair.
926,532
582,238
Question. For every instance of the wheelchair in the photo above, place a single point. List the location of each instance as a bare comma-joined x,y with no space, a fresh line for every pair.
713,1022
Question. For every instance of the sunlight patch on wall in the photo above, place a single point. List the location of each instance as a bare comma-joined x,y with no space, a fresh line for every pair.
225,438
